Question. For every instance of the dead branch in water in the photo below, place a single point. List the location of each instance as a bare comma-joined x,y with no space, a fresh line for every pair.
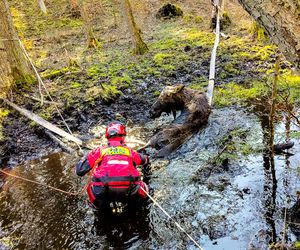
44,123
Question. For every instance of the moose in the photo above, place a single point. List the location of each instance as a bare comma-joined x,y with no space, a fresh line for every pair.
195,111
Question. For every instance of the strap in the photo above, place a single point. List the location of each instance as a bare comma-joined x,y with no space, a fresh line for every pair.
106,179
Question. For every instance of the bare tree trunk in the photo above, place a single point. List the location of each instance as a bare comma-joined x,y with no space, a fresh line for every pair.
6,79
74,7
280,19
42,6
140,47
114,10
19,67
91,39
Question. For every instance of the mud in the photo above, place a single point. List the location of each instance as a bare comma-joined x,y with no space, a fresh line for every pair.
24,141
237,207
234,200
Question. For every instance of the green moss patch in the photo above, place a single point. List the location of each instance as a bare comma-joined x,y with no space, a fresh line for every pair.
233,93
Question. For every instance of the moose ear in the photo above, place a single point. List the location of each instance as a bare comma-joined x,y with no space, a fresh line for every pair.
178,88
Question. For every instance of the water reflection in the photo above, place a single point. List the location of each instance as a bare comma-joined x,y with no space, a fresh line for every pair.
270,181
33,217
125,230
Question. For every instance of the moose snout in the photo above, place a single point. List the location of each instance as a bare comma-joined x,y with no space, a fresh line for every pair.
155,111
153,114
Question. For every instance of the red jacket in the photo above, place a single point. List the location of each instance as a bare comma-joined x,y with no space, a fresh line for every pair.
115,161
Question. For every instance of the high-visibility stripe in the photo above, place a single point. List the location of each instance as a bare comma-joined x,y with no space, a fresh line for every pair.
115,151
121,162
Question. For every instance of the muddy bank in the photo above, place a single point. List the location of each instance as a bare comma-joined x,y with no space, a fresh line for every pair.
26,141
123,87
239,206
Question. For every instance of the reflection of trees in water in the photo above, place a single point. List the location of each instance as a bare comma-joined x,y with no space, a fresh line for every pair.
41,215
42,219
271,183
122,231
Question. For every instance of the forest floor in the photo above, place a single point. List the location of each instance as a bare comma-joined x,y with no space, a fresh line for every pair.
213,192
95,86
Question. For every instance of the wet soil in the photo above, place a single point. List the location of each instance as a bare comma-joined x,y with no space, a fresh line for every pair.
238,207
24,141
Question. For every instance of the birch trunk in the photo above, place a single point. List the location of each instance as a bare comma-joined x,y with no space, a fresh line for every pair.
140,47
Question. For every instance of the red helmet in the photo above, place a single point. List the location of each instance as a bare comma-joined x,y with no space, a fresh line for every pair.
115,129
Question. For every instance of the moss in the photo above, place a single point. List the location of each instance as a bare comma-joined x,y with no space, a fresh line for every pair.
261,35
109,92
48,112
233,93
198,19
105,91
76,85
26,82
19,22
290,84
160,58
122,82
156,93
73,63
67,22
297,245
263,53
168,67
199,84
257,32
51,74
226,19
95,70
188,18
236,142
28,44
197,37
163,44
246,55
295,134
3,114
229,67
42,55
169,10
152,71
8,242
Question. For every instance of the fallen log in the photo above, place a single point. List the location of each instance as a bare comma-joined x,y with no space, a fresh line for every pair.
39,120
283,146
63,146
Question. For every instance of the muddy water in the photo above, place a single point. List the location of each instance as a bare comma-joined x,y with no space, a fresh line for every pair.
236,208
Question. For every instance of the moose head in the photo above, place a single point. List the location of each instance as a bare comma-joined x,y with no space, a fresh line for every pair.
169,100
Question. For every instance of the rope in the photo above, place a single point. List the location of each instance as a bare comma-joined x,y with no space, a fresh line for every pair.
169,216
47,92
42,83
80,192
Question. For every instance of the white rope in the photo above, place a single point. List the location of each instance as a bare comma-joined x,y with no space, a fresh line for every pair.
212,67
169,216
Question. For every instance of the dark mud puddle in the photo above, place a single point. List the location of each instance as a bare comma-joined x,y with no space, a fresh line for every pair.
238,207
